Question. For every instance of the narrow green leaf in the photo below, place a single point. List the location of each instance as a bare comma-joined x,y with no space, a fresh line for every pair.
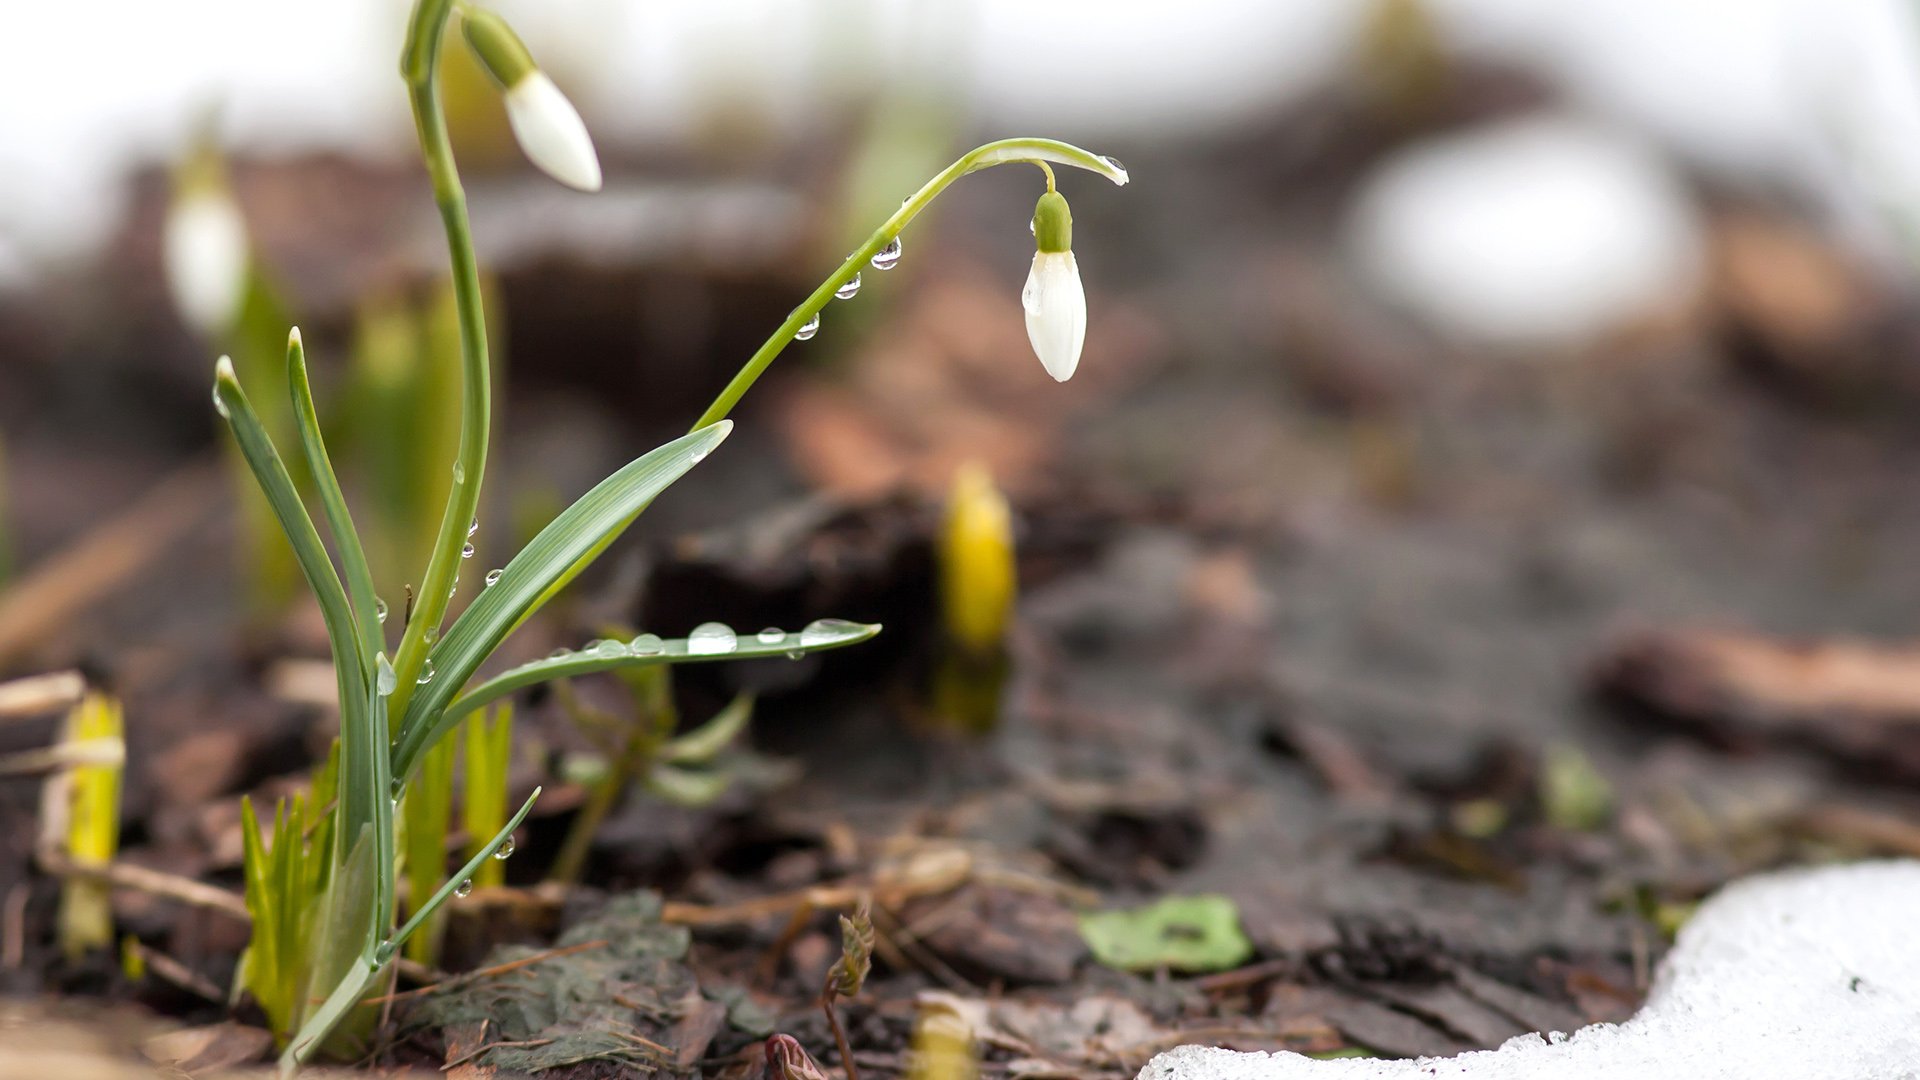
822,636
271,473
487,621
387,949
353,556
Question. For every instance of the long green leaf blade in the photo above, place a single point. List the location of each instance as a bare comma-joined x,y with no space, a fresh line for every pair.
353,557
271,472
392,944
821,636
524,581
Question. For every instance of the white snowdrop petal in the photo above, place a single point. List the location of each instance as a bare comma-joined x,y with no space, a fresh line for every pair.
551,132
1056,306
204,249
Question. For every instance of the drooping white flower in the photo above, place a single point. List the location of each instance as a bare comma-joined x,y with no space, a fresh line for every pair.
545,123
204,251
551,132
1054,300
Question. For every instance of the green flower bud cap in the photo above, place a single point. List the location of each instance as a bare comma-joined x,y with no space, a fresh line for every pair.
498,48
1053,224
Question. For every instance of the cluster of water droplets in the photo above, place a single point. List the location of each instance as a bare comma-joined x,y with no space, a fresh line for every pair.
713,639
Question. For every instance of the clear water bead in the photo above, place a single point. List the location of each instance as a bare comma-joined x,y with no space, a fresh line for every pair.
826,631
560,653
647,645
805,333
610,650
465,888
504,851
380,610
459,473
772,635
849,290
712,639
384,678
493,577
887,257
220,406
466,551
1114,162
426,673
473,527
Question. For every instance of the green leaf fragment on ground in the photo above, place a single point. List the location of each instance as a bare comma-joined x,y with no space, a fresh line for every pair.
1184,933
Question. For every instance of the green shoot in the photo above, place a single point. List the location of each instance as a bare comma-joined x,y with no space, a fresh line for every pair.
284,886
489,753
93,826
978,586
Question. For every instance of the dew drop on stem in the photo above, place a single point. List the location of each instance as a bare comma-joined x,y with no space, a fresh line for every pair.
493,577
887,257
220,406
505,851
812,327
647,645
464,889
466,551
380,610
426,673
849,290
772,635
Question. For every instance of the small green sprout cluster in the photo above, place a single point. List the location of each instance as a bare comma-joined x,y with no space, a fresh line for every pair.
325,895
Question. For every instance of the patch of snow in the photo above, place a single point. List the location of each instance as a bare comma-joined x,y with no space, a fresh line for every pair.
1538,231
1802,975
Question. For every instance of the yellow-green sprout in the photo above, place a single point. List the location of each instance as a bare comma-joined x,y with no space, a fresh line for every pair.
977,579
93,823
489,753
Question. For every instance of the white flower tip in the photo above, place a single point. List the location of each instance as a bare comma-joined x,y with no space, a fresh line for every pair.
293,339
1056,307
551,133
204,250
223,369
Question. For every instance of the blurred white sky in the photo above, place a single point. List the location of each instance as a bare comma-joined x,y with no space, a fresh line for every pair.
1805,92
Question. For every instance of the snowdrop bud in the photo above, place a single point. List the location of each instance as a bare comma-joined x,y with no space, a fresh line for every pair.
204,251
546,124
1055,302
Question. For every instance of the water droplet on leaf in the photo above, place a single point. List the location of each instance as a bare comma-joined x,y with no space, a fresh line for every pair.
504,851
772,635
887,257
426,673
380,610
647,645
384,679
220,406
805,333
493,577
464,889
849,290
712,639
826,631
610,650
466,551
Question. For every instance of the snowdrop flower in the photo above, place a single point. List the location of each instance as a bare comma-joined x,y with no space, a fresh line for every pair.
1055,302
545,123
204,252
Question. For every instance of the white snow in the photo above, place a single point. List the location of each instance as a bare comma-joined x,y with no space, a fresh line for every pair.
1802,975
1545,230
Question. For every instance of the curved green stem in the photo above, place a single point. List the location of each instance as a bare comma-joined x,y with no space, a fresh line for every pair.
420,65
1005,151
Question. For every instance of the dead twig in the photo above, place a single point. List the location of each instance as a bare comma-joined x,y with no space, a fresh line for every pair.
122,875
495,971
36,695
